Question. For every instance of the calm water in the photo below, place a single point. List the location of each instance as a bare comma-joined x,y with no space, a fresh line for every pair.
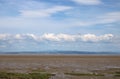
63,52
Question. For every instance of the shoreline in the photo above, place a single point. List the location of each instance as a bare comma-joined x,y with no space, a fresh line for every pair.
60,54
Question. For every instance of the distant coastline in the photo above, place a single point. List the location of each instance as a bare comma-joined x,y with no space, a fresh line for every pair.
59,53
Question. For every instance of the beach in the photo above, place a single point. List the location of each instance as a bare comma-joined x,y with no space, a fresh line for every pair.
64,66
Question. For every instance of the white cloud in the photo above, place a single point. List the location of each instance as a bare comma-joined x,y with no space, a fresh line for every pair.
51,37
33,8
36,9
4,36
58,37
84,38
18,36
66,37
26,37
88,2
44,12
107,18
94,38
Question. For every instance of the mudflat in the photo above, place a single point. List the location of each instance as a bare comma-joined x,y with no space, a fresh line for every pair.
64,66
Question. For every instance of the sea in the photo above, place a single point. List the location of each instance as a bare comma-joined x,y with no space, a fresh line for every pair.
59,53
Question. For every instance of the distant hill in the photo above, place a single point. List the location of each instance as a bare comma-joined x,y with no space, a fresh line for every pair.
58,52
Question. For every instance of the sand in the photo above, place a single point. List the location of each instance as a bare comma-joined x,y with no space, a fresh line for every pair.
61,64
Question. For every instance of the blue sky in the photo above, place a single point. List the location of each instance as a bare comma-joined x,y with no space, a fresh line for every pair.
81,25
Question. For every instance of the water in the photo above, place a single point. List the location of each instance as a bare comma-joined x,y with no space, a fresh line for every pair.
63,52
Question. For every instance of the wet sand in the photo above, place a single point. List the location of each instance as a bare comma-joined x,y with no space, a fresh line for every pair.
61,64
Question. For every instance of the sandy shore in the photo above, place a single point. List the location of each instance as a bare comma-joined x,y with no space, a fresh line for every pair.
61,64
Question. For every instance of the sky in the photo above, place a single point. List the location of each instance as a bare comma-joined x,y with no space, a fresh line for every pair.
74,25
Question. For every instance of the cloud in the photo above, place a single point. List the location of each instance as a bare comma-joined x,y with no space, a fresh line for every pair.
31,8
33,15
58,37
4,36
107,18
77,37
110,17
51,41
25,37
88,2
44,12
94,38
